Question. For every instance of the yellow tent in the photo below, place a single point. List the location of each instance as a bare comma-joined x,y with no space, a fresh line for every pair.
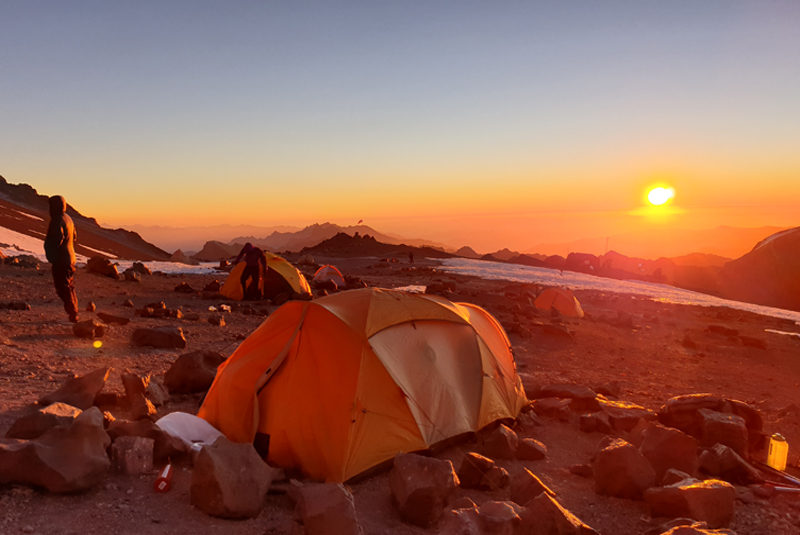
280,277
342,383
561,299
329,273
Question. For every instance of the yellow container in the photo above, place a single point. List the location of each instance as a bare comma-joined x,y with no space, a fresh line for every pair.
778,452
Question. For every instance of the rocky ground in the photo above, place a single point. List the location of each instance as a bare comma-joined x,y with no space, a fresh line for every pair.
650,350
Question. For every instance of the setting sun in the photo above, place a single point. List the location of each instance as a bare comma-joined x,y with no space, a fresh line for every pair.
659,196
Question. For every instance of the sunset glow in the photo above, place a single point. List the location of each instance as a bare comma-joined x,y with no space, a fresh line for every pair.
660,195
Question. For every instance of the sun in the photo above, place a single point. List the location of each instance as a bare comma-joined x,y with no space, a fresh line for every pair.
660,195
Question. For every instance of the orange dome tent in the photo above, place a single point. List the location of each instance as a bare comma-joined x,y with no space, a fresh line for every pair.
280,277
329,273
561,299
343,383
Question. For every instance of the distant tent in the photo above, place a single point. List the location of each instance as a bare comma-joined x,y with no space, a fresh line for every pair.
329,273
561,299
281,277
343,383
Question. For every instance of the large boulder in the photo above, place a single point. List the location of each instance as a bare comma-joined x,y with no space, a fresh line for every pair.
230,480
545,516
163,337
102,266
78,391
621,471
36,423
709,501
324,509
421,487
193,372
132,455
667,447
65,459
624,415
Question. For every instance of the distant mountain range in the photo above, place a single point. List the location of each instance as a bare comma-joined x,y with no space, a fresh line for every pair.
724,241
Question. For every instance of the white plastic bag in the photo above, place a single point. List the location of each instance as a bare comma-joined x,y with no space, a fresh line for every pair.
191,430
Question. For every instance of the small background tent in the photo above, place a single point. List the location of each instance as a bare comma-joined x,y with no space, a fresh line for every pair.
281,277
343,383
329,273
561,299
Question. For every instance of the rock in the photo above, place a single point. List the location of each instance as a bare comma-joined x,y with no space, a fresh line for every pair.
184,288
725,463
36,423
727,429
230,480
216,319
131,275
15,305
89,329
610,389
212,286
555,407
531,450
711,501
672,524
545,516
64,459
141,268
165,446
667,447
193,316
132,455
140,388
528,420
595,421
91,307
155,391
480,472
164,337
525,486
193,372
462,521
499,518
624,415
500,443
102,266
583,398
324,509
421,487
110,318
78,391
621,471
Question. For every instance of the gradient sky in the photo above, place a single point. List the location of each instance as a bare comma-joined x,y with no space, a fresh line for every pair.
491,124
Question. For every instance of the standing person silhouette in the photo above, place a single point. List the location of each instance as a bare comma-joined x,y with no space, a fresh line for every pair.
254,260
59,247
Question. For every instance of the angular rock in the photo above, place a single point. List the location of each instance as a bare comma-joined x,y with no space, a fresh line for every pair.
595,421
110,318
727,429
131,275
165,446
36,423
545,516
673,476
164,337
184,288
102,266
230,480
496,478
531,450
555,407
212,286
132,455
473,467
421,487
216,319
324,509
723,462
525,486
141,268
500,443
89,329
711,501
681,412
621,471
499,518
667,447
155,391
462,521
91,307
624,415
583,398
78,391
64,459
193,372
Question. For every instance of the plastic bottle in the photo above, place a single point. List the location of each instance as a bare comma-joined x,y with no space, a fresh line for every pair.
164,481
778,451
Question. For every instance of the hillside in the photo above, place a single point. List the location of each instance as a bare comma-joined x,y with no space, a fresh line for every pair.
346,246
24,210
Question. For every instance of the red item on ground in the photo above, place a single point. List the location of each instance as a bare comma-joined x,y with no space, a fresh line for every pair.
164,481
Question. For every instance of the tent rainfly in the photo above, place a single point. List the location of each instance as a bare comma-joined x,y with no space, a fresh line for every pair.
561,299
281,277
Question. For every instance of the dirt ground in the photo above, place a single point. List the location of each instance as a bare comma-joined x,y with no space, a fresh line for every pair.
649,361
